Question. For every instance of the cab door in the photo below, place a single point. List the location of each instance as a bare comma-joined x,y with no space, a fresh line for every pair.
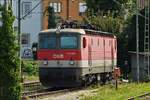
112,55
89,55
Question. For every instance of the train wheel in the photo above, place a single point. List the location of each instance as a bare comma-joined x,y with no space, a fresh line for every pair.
103,78
106,78
99,82
90,79
110,78
84,81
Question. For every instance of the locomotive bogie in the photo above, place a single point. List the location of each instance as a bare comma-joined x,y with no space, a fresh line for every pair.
69,77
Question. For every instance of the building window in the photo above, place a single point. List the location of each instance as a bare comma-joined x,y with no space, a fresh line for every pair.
26,8
25,39
82,8
56,6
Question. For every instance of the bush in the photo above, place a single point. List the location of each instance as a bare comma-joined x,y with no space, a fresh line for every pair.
30,67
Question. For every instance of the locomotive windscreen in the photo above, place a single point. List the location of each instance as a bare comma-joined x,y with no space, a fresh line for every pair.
54,41
47,41
68,42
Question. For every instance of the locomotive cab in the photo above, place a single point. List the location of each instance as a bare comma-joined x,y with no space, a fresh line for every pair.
59,56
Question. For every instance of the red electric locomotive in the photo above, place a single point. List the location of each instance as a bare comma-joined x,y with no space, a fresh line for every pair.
71,57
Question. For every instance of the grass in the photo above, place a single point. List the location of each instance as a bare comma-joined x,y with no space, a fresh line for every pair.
30,70
124,92
31,78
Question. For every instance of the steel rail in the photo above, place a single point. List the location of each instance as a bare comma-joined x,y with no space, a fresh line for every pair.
139,96
31,83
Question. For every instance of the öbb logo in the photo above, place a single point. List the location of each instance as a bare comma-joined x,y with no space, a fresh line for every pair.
58,56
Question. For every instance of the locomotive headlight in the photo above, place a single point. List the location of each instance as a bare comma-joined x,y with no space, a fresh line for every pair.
71,62
45,62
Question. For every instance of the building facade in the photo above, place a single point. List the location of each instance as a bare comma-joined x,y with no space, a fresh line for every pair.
31,15
64,9
30,25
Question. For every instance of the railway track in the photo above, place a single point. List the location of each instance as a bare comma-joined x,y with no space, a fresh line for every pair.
35,83
44,93
35,90
141,96
48,92
31,87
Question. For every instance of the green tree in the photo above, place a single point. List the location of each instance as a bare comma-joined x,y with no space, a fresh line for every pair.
51,18
116,7
9,61
107,23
